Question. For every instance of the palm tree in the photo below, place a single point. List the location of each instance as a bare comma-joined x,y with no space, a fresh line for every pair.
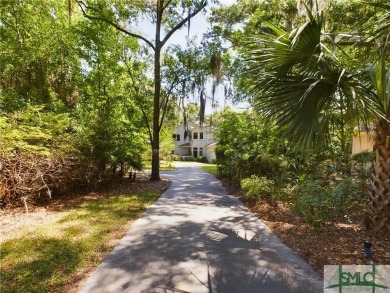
300,83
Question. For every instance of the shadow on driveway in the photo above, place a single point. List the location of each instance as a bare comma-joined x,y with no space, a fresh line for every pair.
196,238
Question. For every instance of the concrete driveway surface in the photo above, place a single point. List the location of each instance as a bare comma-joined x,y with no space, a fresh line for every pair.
196,238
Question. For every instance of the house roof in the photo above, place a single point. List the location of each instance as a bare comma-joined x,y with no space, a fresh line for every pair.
192,126
185,145
210,144
364,128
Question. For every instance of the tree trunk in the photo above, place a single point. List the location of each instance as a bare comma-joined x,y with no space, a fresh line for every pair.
156,120
156,101
378,210
122,169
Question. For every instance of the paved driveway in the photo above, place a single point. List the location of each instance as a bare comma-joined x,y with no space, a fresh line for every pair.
196,238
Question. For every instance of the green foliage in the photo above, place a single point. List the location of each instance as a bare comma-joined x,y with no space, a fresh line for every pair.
38,64
166,147
187,158
36,131
319,201
201,159
248,145
66,98
257,188
364,157
363,163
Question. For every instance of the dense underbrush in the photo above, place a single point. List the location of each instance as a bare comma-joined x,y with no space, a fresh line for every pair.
25,175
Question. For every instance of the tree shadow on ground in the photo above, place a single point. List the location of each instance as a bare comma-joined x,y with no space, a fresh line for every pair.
199,239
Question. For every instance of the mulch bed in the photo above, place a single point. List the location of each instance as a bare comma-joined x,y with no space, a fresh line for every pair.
339,242
336,243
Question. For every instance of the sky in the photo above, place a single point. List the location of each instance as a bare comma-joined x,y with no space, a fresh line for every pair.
199,26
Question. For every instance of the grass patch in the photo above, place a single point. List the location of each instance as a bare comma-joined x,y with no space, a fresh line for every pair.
50,257
212,169
167,167
164,166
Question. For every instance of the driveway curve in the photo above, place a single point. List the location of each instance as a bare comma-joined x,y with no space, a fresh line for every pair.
196,238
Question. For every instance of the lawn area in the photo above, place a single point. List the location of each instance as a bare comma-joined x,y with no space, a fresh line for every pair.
57,255
211,168
164,166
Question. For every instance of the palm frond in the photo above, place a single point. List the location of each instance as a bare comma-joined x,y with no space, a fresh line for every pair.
382,25
301,85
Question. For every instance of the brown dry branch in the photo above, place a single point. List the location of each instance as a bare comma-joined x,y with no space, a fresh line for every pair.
23,176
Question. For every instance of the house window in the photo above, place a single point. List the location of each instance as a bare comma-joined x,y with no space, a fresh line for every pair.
201,151
195,135
195,152
176,137
201,135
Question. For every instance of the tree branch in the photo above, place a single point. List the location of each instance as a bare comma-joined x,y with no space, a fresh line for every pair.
184,21
136,88
164,104
83,6
166,5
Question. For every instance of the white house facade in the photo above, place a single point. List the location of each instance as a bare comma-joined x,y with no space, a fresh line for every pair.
362,140
194,140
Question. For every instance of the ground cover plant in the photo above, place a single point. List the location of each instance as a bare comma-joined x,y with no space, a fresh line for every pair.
74,235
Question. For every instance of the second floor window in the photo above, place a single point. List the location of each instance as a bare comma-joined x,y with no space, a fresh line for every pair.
200,135
176,137
195,135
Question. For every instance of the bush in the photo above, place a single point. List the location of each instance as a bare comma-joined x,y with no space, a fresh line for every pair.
187,158
236,166
363,163
201,159
257,188
320,202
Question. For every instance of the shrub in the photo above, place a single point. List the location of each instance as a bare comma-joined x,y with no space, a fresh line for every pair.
236,166
363,163
256,188
312,203
187,158
319,201
201,159
264,165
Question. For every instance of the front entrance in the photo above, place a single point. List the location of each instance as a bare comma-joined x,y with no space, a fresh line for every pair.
195,152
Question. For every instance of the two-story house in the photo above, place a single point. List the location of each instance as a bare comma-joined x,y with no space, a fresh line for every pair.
194,141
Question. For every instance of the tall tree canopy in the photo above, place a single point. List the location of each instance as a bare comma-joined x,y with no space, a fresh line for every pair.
67,105
166,15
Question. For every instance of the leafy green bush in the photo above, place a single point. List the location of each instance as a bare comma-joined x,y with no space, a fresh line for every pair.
187,158
201,159
363,163
320,202
236,166
256,188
